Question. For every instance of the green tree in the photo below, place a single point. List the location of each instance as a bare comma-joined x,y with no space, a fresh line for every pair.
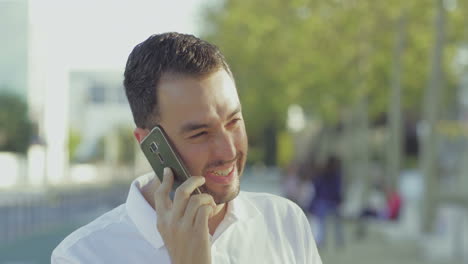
126,145
117,146
74,140
15,126
327,56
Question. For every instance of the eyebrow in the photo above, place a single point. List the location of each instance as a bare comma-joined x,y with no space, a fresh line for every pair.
195,126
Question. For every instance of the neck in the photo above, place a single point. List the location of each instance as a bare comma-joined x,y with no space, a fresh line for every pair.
217,217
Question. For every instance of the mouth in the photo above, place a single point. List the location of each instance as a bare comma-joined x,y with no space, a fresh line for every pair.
221,175
224,172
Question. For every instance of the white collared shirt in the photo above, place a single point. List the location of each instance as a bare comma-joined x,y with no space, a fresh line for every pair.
257,228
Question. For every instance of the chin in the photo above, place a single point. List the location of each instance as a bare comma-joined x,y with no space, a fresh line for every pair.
221,198
227,193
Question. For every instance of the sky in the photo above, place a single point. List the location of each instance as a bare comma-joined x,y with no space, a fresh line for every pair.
55,38
71,36
100,34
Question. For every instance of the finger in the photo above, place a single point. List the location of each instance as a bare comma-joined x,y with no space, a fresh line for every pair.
162,202
153,185
155,181
195,202
149,189
201,220
183,193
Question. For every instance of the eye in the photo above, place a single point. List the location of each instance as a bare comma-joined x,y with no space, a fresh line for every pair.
198,135
234,121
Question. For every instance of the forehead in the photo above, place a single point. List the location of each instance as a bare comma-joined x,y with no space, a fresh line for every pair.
185,98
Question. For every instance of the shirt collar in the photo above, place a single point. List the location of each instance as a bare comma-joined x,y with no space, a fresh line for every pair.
141,212
145,219
241,208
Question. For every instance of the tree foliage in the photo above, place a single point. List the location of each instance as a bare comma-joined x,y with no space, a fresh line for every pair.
15,126
126,145
74,140
325,55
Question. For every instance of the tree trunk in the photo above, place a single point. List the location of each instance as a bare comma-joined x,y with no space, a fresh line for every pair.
362,136
394,112
271,138
430,117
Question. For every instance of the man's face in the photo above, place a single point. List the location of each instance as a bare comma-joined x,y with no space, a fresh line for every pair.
203,119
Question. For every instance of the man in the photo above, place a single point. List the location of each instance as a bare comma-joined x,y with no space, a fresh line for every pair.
184,85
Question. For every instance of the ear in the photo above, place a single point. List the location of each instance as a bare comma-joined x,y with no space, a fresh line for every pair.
140,133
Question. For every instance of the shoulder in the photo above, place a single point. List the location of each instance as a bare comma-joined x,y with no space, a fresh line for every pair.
267,199
268,203
98,231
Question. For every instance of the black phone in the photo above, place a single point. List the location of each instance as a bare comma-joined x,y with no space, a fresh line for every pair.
161,154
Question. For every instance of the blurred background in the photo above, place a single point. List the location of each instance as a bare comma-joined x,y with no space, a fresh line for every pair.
357,110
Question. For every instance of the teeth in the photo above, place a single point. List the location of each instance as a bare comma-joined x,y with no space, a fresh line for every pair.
223,172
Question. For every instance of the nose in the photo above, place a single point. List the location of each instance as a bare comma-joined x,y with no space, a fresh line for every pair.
224,148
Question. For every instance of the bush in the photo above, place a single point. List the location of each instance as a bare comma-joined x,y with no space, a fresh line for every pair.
15,126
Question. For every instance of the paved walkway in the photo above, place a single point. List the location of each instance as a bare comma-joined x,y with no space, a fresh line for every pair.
35,249
377,248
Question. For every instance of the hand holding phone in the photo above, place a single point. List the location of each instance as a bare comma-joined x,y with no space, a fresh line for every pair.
183,222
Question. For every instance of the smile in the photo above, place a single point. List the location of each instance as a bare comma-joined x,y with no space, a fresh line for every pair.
223,176
224,172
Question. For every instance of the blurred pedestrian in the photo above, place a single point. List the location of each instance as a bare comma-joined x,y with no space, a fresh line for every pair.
381,206
327,200
291,183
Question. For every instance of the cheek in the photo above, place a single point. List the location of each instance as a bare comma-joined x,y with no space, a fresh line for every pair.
240,138
194,158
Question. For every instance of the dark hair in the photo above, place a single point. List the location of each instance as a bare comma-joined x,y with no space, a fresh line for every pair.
167,53
333,164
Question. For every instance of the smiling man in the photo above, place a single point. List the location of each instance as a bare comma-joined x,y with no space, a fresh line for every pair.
184,85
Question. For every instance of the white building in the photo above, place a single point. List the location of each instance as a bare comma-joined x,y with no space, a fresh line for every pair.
14,46
98,105
67,59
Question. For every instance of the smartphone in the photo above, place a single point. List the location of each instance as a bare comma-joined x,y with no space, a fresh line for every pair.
161,154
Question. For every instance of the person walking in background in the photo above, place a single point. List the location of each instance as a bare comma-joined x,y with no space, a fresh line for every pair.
327,200
291,182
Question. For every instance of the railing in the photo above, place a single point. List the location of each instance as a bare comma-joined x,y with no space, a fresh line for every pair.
26,214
